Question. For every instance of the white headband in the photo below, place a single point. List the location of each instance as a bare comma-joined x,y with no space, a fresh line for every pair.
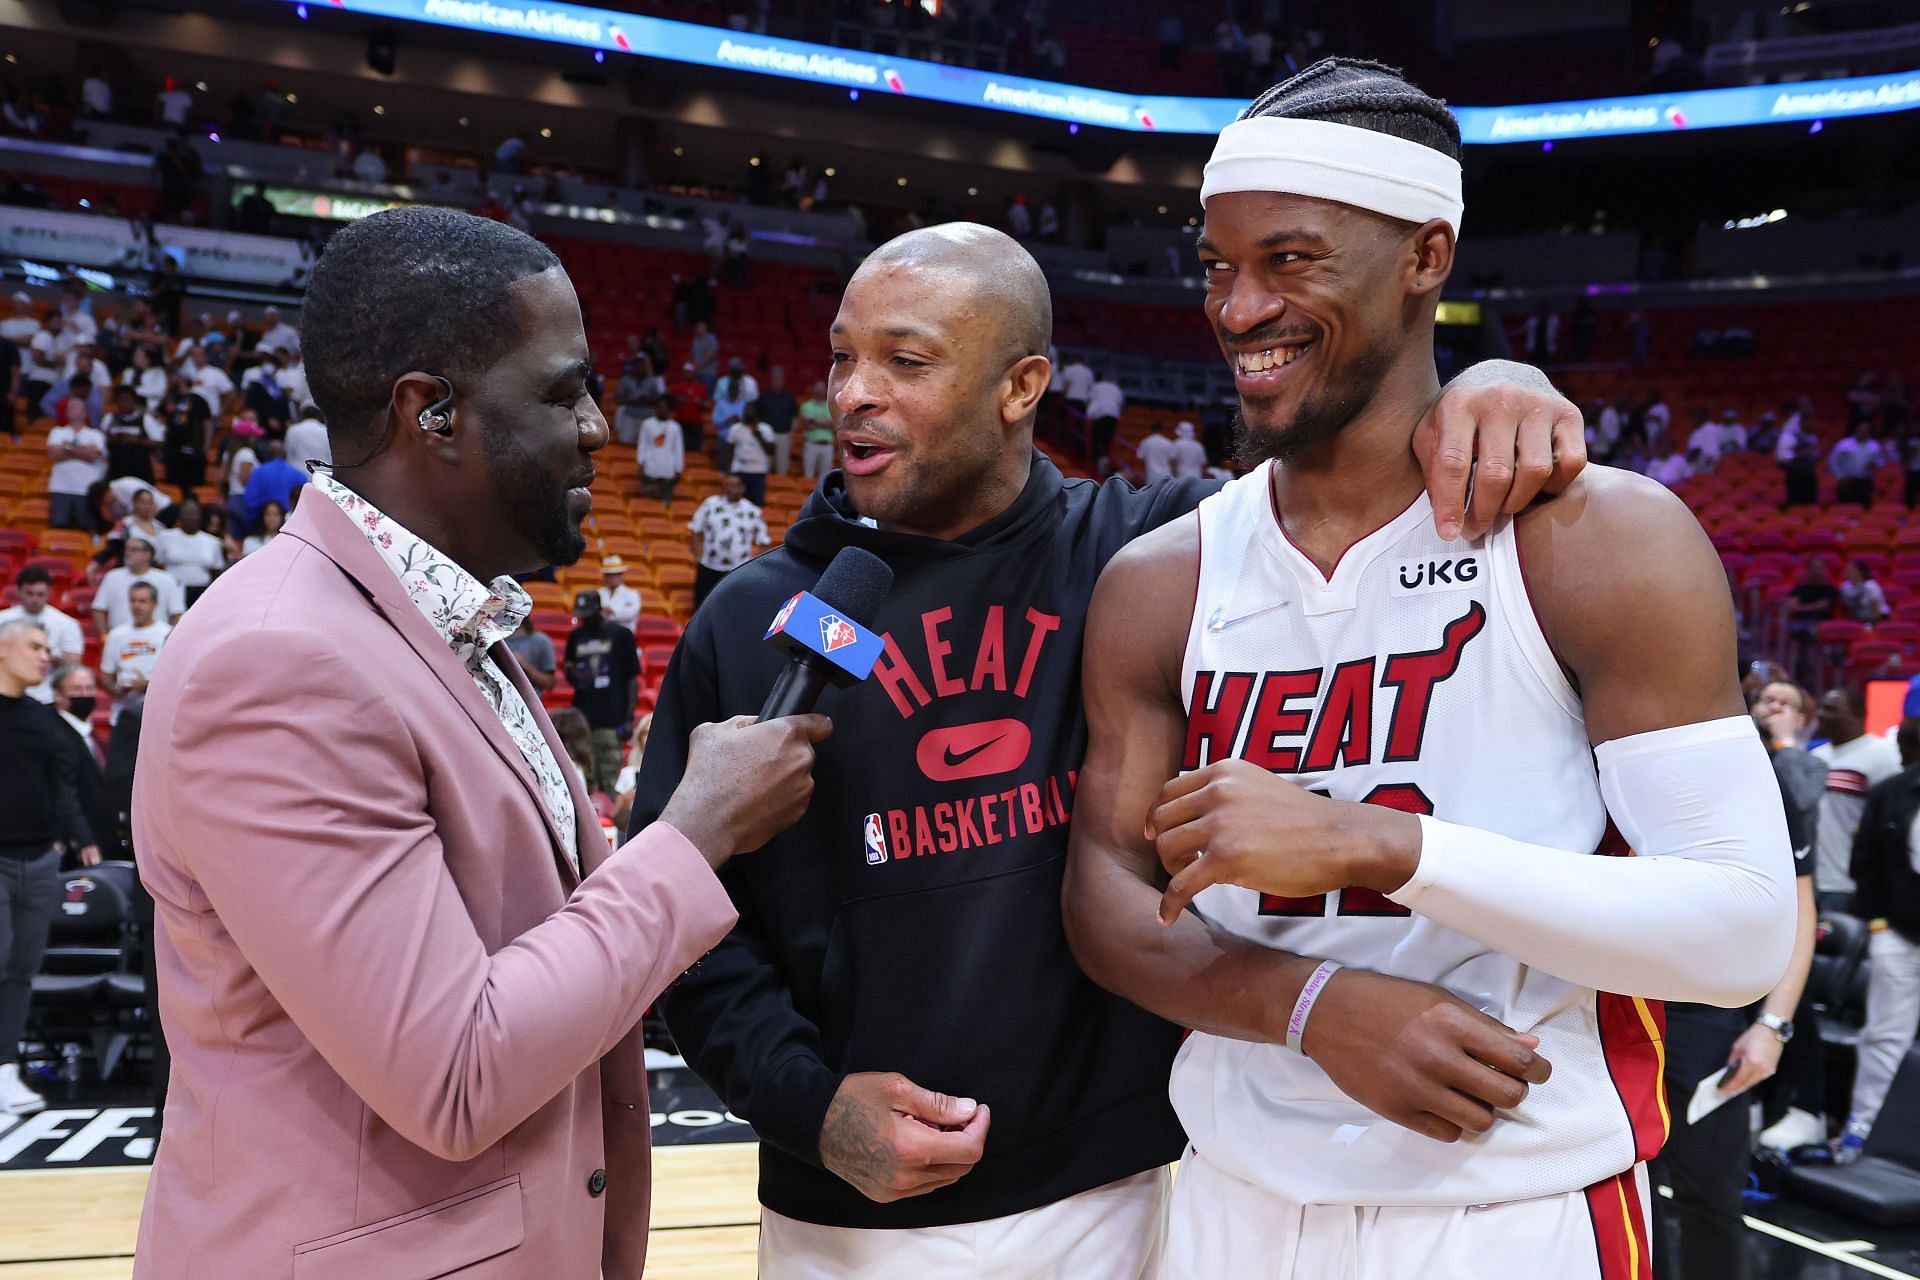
1340,162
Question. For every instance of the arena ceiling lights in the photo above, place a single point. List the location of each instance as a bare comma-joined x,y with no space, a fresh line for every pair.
610,32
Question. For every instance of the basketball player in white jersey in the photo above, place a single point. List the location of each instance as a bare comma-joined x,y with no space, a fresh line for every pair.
1399,754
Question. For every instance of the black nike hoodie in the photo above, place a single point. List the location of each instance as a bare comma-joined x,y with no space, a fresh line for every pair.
911,921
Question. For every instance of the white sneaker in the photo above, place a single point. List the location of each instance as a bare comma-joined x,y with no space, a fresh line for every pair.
16,1098
1794,1130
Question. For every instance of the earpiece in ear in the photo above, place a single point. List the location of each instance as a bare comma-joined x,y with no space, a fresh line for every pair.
437,418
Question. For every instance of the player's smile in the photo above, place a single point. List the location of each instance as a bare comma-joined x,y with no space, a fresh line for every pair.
1262,371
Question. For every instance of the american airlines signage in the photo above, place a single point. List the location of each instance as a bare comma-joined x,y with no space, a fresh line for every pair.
615,33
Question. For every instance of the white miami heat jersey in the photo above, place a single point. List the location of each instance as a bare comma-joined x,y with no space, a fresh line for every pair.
1416,676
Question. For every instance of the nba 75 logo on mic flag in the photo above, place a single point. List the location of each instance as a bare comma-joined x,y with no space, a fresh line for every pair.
808,625
836,633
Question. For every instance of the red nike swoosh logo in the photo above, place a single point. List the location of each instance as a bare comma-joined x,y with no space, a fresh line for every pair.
973,750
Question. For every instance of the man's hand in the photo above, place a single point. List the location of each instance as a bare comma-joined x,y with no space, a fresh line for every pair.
1418,1056
1503,429
90,855
746,781
1755,1057
1233,822
890,1139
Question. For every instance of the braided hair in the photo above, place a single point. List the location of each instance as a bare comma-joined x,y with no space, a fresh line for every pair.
1366,95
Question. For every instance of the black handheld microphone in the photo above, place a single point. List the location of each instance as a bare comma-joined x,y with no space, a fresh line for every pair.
822,636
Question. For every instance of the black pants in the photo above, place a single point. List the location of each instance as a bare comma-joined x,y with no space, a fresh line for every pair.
1802,1078
162,1060
29,895
1803,487
185,467
704,581
756,482
1705,1164
1103,429
1860,491
1913,487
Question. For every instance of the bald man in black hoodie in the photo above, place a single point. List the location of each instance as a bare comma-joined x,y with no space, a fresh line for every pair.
939,1090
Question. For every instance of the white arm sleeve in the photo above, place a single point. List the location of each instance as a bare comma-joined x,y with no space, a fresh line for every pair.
1704,913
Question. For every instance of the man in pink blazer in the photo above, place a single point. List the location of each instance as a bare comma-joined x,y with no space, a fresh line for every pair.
399,968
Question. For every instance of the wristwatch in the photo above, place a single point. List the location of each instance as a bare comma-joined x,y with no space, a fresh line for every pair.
1782,1028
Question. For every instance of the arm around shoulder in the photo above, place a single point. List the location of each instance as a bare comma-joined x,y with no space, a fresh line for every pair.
1634,602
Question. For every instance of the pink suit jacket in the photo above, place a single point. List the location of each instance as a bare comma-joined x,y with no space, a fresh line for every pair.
399,1021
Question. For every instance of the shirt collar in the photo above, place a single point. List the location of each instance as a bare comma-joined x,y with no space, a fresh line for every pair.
471,616
78,725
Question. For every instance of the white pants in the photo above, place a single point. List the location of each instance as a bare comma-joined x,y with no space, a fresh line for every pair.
1225,1229
1893,1009
782,452
1113,1232
816,459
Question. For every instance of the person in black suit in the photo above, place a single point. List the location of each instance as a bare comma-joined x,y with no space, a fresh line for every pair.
74,696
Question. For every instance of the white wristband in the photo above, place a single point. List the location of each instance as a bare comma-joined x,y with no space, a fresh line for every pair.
1309,993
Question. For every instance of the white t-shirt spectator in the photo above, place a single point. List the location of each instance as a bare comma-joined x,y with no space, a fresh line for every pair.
1853,769
40,359
1864,601
127,488
20,327
1606,430
132,650
1076,382
150,384
1657,419
621,604
733,532
1853,459
1789,442
294,379
307,442
1189,458
239,470
75,475
1670,470
77,326
282,337
750,443
175,105
64,638
1156,456
662,449
192,558
1709,441
211,384
1106,400
111,598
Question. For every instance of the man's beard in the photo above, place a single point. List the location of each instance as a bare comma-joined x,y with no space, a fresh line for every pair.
1317,419
533,504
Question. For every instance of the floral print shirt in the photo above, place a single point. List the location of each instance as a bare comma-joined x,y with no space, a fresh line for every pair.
471,617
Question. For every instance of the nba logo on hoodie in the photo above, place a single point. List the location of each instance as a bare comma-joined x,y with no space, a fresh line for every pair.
876,841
